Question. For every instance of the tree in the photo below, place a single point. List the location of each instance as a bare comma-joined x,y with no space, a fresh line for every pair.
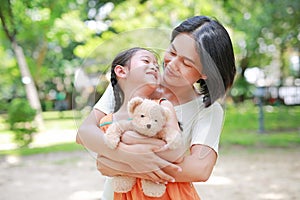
264,31
8,23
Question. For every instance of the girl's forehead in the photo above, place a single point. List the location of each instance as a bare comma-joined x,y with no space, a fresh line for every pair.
145,53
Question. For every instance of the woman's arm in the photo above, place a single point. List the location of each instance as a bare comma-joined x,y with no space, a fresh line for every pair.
196,167
205,134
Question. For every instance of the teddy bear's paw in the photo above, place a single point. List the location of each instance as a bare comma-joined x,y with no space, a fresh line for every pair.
123,184
152,189
111,140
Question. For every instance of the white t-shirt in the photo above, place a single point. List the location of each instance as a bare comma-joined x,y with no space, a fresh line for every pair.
200,125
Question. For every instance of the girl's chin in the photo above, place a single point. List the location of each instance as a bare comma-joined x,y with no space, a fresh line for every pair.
153,85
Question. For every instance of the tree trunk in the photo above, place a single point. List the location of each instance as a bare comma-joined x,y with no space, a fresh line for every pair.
31,91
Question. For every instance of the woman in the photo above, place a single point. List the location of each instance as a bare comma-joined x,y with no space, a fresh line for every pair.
200,52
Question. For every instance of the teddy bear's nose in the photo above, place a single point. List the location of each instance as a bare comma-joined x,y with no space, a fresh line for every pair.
148,125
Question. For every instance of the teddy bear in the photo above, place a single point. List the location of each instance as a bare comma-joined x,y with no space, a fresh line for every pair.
149,119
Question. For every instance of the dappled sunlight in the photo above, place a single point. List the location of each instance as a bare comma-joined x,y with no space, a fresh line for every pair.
54,136
13,160
85,195
273,196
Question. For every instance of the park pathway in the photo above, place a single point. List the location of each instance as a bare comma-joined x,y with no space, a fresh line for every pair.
240,174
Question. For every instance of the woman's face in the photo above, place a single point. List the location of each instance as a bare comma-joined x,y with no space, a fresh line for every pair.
143,69
181,61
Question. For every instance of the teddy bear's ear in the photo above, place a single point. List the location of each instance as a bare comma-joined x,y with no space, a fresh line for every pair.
133,103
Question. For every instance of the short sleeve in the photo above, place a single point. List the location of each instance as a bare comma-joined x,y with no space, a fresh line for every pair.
107,101
207,127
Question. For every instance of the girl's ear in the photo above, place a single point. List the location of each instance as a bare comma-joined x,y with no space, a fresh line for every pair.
121,71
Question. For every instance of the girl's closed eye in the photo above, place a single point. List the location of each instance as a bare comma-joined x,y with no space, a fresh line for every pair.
172,52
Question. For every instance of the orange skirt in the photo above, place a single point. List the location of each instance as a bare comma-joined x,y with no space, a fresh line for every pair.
174,191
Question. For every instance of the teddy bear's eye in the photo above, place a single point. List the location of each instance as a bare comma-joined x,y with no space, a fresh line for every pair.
142,116
155,120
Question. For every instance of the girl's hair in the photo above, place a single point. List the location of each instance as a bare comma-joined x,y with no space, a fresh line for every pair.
216,55
123,59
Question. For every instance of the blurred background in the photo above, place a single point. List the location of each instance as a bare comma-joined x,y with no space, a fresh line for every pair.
55,55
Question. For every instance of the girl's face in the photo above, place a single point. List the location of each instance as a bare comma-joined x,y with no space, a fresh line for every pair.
143,69
182,63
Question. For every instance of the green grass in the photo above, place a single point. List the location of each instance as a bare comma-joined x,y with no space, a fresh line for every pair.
53,120
66,147
282,128
281,125
64,120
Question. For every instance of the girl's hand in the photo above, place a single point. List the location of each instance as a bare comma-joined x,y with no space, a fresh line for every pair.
159,146
131,137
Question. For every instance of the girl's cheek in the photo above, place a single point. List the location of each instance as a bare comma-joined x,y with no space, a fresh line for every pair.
159,78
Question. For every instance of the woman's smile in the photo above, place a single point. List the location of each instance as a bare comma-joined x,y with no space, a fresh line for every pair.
171,73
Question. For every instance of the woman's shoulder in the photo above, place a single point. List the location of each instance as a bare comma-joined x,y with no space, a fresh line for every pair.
215,108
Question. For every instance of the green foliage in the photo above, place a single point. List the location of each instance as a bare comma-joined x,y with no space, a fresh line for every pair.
263,31
20,118
241,90
20,111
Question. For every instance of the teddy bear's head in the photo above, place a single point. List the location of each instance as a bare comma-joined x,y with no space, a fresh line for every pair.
148,117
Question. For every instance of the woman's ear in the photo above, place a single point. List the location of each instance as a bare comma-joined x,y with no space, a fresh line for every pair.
203,76
121,71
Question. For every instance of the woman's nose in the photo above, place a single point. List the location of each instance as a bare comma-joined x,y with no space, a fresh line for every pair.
173,63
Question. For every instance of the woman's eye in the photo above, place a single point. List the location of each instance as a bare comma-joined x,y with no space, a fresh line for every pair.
187,64
146,61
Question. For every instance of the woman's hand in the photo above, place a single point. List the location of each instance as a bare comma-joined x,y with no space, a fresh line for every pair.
104,166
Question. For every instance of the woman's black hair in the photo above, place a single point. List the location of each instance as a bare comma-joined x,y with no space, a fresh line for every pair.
216,55
123,59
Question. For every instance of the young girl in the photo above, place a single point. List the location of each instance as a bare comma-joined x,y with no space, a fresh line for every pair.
200,52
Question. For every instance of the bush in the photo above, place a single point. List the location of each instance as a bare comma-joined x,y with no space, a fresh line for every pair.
20,118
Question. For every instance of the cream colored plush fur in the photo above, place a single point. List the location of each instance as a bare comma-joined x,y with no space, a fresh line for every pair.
148,119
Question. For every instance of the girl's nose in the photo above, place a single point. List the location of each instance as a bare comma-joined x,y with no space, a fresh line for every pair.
154,68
